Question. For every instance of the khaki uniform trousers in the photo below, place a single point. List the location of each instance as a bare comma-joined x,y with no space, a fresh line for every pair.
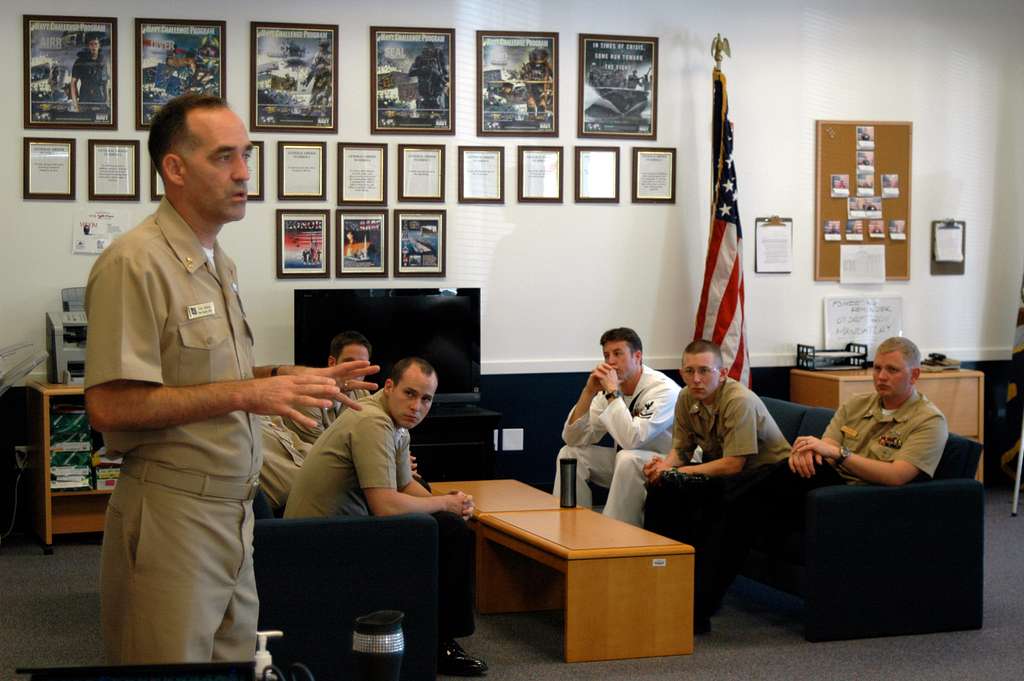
177,576
277,475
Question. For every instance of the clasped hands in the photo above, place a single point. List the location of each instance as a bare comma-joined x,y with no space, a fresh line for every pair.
603,378
461,504
808,451
656,466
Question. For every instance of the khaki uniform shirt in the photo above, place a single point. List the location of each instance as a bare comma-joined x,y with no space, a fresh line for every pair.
160,312
916,432
361,449
323,417
736,424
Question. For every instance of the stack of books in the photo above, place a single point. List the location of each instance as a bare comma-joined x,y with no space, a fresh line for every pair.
70,449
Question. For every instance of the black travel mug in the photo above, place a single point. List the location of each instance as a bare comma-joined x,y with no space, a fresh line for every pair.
567,473
377,646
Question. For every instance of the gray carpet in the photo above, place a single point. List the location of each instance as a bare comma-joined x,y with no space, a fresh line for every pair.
49,615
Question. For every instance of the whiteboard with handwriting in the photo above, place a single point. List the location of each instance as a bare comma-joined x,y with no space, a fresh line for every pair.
862,320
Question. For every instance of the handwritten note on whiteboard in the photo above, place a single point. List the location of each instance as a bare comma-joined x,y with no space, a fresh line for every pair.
862,320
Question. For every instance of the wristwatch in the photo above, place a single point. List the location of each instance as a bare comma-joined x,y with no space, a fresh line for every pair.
844,454
612,394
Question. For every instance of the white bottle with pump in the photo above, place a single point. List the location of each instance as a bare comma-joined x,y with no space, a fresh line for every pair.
263,659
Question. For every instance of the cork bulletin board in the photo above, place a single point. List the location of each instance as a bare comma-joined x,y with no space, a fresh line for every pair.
862,193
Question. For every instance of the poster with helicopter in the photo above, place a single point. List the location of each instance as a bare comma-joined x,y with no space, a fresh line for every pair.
294,77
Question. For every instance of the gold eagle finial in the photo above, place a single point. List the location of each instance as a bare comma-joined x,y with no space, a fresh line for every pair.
720,46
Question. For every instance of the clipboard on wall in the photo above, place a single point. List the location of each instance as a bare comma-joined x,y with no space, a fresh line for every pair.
773,245
949,241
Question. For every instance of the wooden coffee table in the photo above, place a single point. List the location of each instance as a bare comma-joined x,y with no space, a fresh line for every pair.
493,496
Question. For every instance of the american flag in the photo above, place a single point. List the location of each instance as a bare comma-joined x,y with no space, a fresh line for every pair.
720,315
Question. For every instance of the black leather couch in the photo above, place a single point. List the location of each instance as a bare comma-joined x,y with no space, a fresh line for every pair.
882,561
316,575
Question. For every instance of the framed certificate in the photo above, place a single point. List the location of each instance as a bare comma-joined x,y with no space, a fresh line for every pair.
481,174
301,171
49,169
362,174
174,57
654,175
420,248
421,172
156,183
303,244
596,174
618,87
70,72
362,243
255,165
540,174
294,77
113,170
517,83
411,75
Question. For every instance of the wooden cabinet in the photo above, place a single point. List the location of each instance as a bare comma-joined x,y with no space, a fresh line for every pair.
960,395
53,511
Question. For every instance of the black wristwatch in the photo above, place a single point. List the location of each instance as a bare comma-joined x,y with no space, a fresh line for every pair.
844,454
612,394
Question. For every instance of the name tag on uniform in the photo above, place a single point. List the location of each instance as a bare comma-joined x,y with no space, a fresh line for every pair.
847,430
200,310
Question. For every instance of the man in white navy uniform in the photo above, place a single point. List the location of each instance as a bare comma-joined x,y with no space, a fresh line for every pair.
632,403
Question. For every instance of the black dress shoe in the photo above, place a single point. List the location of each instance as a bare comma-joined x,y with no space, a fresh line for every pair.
452,660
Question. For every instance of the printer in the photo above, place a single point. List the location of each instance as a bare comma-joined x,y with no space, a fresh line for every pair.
66,333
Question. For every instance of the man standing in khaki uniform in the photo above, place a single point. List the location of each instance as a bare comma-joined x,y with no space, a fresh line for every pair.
723,435
171,384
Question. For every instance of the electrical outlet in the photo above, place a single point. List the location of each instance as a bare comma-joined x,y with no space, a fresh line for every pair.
512,439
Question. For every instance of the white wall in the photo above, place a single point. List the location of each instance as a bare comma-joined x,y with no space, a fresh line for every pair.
554,277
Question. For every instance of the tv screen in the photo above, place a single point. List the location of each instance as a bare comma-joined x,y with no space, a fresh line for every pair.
441,325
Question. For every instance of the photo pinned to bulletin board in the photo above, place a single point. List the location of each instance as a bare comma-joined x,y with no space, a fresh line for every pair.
862,193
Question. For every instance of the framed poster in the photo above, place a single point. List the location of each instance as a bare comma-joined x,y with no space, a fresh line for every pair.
540,174
303,243
70,72
113,170
254,163
517,83
362,174
411,72
421,172
294,77
362,243
596,172
174,57
618,87
420,247
481,174
654,175
48,169
301,171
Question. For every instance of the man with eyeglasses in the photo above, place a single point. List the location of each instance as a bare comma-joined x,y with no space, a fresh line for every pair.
723,440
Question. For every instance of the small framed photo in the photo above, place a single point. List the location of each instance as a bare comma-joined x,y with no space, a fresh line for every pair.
70,72
301,171
840,186
156,183
517,83
540,174
362,174
898,230
362,243
293,77
876,229
174,57
481,174
654,175
618,87
865,162
865,184
255,166
421,172
113,170
890,186
303,243
420,248
855,230
596,172
49,169
832,231
411,75
865,137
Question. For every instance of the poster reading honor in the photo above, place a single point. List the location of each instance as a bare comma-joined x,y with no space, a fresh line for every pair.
412,71
295,76
517,83
618,87
70,72
174,58
302,243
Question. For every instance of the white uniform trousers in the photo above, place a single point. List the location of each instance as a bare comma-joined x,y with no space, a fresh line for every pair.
621,472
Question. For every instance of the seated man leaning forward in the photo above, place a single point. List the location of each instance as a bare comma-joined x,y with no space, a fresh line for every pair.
345,347
360,466
723,431
631,402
